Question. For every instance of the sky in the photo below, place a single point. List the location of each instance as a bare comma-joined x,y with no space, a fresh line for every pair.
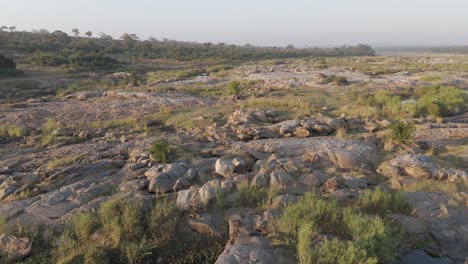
303,23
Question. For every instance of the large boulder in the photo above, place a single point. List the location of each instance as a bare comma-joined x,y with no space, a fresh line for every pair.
227,166
163,183
419,166
345,159
188,199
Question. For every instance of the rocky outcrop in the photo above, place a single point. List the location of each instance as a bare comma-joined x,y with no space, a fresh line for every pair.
247,246
447,224
15,248
419,166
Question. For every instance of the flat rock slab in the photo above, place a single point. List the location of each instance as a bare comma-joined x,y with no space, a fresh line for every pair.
448,225
421,257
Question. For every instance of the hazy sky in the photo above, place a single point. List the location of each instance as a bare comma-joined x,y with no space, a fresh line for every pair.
258,22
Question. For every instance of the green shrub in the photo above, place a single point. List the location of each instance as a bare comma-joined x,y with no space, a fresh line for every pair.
162,151
401,132
364,238
382,202
48,59
304,239
440,100
134,252
233,88
254,196
310,209
335,251
379,238
134,79
6,63
162,221
82,60
185,74
82,225
49,126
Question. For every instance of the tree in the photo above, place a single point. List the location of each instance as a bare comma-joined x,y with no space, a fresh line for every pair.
6,63
76,32
2,28
129,40
89,34
134,79
103,35
12,28
61,37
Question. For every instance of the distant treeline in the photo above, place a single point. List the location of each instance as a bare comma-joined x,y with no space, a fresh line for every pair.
415,49
63,46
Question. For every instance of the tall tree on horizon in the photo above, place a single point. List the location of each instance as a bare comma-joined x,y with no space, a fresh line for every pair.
12,28
76,32
89,34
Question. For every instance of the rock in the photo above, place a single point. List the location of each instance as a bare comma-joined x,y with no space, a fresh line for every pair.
302,132
419,166
312,179
412,226
83,134
321,129
371,125
181,184
258,181
281,201
14,248
59,132
206,225
345,159
418,256
447,224
123,139
331,185
245,246
224,167
208,191
175,170
163,183
281,181
287,127
336,123
188,199
134,185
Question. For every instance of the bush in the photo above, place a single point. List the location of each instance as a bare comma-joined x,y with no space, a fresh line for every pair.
185,74
48,59
401,132
162,221
162,151
254,196
11,131
363,238
343,252
379,238
310,209
233,88
441,100
6,63
91,61
382,202
134,252
82,225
